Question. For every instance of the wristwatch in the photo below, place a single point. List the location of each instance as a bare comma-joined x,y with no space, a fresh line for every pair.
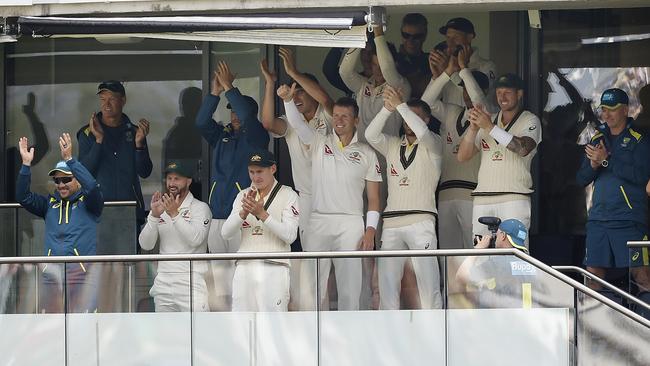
604,163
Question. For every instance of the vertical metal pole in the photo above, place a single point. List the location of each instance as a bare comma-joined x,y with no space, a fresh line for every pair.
3,120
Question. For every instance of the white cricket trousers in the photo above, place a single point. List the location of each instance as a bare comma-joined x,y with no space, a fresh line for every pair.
171,292
418,236
222,271
302,269
260,286
519,209
338,233
455,224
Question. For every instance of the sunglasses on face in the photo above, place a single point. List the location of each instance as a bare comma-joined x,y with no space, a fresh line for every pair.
415,37
64,180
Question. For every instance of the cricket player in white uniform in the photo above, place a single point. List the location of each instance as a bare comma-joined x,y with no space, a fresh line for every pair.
413,162
179,223
457,180
369,90
315,107
342,167
266,214
507,142
459,34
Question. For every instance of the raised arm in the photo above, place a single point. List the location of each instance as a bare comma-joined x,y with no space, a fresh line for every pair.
331,70
350,76
310,86
90,141
93,195
149,234
426,137
467,148
245,109
270,122
208,128
387,64
143,163
305,133
373,132
32,202
232,226
286,227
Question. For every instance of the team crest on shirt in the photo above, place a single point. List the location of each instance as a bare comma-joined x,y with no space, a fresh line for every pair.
378,168
245,224
497,156
294,211
354,157
485,145
366,91
393,172
257,230
129,136
449,140
404,182
626,140
328,151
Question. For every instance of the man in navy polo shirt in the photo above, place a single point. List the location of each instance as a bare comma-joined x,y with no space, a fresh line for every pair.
616,161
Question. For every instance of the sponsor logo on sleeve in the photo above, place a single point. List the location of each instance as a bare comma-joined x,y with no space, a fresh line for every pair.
393,172
532,128
294,211
206,222
328,151
485,145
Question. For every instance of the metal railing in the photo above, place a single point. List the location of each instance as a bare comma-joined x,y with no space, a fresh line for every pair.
343,254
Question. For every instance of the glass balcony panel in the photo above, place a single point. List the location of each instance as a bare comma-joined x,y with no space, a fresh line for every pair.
608,337
31,314
259,329
400,333
506,299
136,335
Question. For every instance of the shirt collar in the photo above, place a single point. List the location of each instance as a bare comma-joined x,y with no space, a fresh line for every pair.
340,144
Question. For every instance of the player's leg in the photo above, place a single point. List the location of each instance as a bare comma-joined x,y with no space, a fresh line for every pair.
199,293
221,272
273,295
422,236
598,253
390,270
242,288
449,228
163,292
463,212
301,296
348,270
315,276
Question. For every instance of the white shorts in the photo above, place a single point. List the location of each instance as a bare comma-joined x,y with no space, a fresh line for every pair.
260,286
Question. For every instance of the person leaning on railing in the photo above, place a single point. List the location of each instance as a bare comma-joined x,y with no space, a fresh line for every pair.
71,216
501,281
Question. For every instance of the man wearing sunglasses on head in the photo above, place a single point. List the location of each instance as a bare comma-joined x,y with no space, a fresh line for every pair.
71,216
411,61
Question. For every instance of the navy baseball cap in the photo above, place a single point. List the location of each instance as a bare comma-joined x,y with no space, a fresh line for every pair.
62,167
459,24
111,85
516,232
481,79
509,81
613,98
251,102
263,158
178,167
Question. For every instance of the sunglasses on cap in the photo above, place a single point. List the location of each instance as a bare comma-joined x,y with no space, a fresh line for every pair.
64,180
415,37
